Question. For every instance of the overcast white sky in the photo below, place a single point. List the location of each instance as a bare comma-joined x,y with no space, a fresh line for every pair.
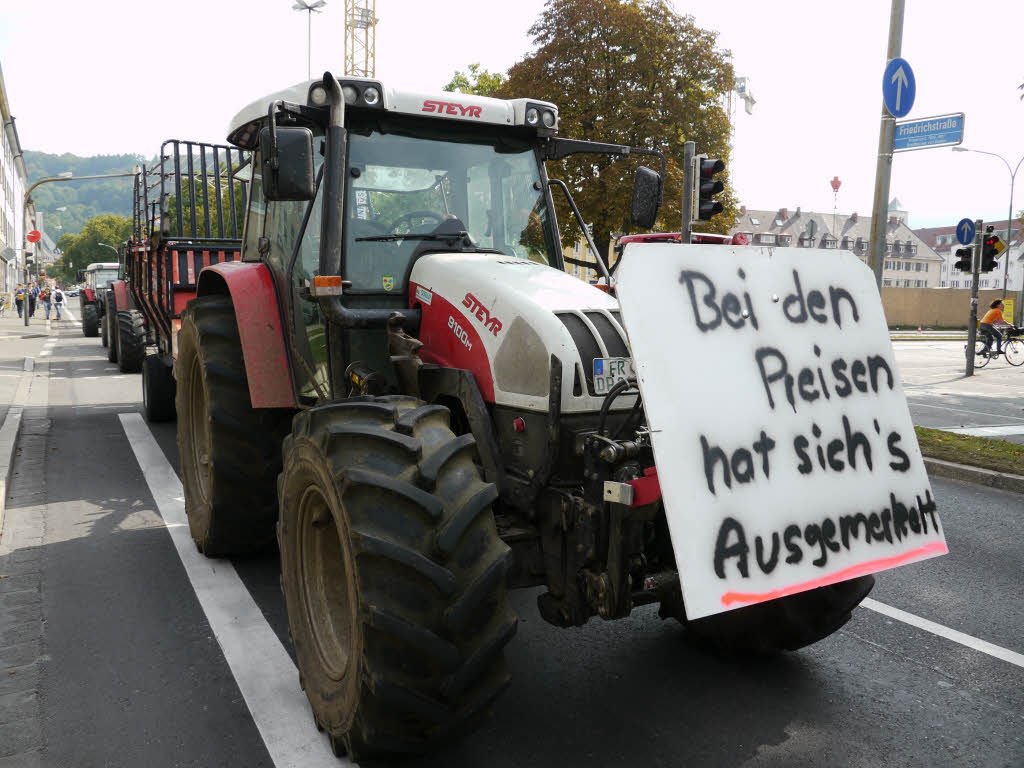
113,76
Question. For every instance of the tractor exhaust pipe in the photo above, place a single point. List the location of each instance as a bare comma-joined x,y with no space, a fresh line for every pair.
331,228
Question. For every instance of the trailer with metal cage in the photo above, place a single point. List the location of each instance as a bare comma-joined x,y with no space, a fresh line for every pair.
187,215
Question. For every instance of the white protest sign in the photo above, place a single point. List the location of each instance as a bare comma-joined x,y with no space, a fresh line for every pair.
784,446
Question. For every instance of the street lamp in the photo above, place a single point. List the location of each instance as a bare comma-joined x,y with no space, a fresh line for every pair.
1009,215
310,8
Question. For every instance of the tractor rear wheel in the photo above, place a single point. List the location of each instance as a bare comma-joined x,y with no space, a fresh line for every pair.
785,624
131,340
157,389
90,320
230,452
393,574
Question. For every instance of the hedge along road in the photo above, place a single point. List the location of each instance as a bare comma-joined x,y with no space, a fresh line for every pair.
137,670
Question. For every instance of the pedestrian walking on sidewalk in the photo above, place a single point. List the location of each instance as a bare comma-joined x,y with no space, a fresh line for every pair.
19,298
58,301
45,298
33,294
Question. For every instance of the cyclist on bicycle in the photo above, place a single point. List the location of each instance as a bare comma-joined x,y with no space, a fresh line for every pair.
992,318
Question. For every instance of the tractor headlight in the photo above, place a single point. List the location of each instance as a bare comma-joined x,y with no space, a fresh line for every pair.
351,94
318,96
532,116
371,95
548,118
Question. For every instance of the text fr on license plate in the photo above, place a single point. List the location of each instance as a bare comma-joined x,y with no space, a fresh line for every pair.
609,371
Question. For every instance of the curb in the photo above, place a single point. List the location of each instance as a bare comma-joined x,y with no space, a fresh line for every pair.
9,437
1004,481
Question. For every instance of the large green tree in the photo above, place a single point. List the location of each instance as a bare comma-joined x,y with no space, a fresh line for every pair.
629,72
84,248
477,81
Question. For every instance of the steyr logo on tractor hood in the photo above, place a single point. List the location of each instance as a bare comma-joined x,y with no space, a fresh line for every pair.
492,324
450,108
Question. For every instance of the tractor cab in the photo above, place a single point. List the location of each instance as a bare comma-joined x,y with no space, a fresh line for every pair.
353,183
98,276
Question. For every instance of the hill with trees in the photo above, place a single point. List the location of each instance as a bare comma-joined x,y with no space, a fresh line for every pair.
83,200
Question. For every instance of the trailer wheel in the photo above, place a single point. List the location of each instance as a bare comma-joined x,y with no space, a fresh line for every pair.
393,574
105,322
230,452
786,624
110,323
131,340
157,389
90,321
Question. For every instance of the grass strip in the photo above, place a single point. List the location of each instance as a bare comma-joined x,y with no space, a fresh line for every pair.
997,455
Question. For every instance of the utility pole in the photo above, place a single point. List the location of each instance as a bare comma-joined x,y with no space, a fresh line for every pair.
689,184
883,170
972,327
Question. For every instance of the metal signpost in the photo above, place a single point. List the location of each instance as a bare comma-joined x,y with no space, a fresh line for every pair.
895,88
928,132
972,327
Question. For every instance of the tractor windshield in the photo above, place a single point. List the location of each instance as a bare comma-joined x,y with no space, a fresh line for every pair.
435,181
105,276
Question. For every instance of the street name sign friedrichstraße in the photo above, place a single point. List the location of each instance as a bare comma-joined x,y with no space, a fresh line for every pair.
928,132
785,450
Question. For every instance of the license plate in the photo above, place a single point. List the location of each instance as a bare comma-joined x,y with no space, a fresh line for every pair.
609,371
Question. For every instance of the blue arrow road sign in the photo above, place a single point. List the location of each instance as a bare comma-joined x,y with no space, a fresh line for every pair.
928,132
965,231
898,87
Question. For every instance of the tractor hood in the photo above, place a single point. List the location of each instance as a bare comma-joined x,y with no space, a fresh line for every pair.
504,318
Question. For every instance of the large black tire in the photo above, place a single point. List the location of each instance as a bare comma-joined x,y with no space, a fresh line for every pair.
110,323
131,340
230,452
786,624
105,325
90,321
157,389
393,574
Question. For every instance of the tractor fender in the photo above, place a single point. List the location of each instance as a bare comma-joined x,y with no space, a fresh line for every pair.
258,313
120,294
88,296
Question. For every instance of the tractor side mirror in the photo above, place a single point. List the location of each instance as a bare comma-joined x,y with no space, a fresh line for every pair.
287,163
643,209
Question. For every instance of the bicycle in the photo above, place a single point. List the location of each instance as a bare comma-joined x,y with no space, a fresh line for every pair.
1013,349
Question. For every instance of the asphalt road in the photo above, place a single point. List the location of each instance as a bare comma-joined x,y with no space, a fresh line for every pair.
132,673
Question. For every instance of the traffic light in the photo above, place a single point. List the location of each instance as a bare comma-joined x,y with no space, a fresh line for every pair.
704,171
990,251
963,262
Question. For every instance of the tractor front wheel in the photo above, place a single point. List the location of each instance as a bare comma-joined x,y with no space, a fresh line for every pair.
105,323
90,320
131,340
393,574
230,452
110,324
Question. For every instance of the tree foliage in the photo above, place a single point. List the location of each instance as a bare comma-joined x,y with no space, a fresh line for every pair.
629,72
477,81
84,248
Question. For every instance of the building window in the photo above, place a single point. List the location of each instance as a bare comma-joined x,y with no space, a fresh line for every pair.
919,283
830,242
887,282
806,241
779,222
766,238
919,266
755,222
785,239
888,247
912,248
861,245
897,247
908,266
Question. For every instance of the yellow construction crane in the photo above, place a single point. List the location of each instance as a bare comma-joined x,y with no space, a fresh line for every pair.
360,22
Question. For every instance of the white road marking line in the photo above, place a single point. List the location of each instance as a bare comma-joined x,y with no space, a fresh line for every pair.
963,639
1008,429
958,410
262,668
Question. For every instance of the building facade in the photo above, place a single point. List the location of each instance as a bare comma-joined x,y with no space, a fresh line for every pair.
909,261
13,182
